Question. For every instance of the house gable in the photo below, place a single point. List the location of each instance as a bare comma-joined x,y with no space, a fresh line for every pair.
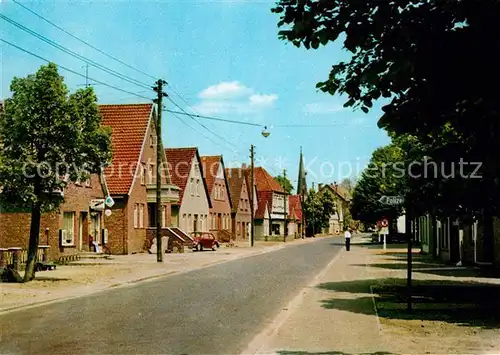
129,125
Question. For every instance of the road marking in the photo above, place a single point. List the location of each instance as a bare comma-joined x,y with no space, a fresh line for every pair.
379,326
102,288
263,338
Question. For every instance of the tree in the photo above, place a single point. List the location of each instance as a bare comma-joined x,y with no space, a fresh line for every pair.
385,175
422,56
285,183
348,185
318,208
50,138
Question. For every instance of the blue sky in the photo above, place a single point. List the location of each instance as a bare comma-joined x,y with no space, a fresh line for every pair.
224,58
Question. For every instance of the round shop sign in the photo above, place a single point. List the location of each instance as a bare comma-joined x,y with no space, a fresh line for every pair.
384,223
107,212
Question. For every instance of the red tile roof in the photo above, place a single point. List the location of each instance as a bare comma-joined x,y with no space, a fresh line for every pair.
265,182
211,167
236,179
295,208
265,198
179,166
129,124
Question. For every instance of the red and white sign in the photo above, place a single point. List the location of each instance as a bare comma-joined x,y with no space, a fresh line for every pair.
384,222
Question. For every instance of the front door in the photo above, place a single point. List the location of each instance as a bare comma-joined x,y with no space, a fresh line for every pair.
219,222
83,229
95,227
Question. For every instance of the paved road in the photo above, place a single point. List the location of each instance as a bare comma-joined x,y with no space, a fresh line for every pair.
217,310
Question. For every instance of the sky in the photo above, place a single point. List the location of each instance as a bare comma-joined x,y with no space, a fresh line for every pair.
221,59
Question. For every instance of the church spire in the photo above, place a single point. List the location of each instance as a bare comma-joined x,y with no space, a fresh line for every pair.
301,181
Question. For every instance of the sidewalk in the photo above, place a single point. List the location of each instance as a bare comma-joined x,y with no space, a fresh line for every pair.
345,311
84,278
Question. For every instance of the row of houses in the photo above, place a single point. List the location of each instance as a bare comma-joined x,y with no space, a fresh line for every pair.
456,242
118,207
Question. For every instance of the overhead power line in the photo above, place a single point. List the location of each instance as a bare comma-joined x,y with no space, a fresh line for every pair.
73,71
201,124
197,131
74,54
216,119
82,41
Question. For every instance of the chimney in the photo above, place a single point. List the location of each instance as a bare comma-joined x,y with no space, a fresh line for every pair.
320,186
243,166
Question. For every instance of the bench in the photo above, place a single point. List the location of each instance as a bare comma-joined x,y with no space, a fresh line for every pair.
45,265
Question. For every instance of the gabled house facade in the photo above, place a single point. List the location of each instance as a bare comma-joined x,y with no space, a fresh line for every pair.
241,216
220,197
191,213
271,196
342,198
131,177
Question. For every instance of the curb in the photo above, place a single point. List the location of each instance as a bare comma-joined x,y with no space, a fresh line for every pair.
143,279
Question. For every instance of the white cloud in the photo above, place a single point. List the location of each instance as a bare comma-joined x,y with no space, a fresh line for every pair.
232,97
323,108
263,100
225,90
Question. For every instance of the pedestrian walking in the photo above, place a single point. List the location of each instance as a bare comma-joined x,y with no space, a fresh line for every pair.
347,235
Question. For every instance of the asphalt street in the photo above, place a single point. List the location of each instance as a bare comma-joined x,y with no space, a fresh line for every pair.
215,310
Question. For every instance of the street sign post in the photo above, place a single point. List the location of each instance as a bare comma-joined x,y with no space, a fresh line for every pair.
109,201
392,200
97,204
384,230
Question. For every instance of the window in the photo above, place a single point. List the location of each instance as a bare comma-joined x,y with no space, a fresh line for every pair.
184,221
69,227
191,186
143,175
222,192
152,214
151,140
88,182
150,173
136,215
164,216
198,187
141,215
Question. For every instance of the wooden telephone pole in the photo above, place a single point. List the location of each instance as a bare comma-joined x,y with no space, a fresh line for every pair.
159,90
252,189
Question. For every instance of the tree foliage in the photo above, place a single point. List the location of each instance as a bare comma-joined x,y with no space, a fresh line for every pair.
285,183
318,207
50,138
431,60
385,175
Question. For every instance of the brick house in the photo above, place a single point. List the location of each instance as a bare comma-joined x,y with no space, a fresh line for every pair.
131,177
271,196
75,216
241,216
220,197
191,212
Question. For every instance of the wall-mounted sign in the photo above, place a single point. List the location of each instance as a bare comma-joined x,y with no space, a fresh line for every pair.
107,212
97,204
109,202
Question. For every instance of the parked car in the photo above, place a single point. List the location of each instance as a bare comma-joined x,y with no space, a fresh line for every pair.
204,240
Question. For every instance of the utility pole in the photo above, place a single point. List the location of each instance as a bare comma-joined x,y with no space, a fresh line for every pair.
159,90
252,189
285,197
87,75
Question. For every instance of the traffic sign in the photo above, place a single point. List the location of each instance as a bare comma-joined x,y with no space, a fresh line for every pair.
384,222
109,202
392,200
